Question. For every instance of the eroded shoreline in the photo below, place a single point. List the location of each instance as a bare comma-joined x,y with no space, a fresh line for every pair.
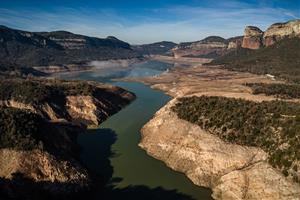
239,172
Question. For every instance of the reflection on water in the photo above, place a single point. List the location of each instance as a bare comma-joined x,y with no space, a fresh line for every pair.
112,150
143,69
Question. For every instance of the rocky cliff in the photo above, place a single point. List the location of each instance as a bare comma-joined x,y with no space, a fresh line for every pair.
267,60
209,47
279,31
76,101
157,48
46,153
39,123
254,38
231,170
29,49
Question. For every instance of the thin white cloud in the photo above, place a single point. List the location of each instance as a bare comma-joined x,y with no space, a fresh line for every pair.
179,23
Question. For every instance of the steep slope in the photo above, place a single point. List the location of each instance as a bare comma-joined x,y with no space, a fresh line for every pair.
254,38
233,171
57,48
41,151
39,123
281,59
209,47
77,101
158,48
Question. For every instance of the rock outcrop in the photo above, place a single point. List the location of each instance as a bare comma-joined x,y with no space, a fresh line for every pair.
91,108
252,38
40,166
32,49
279,31
232,171
43,154
39,123
157,48
209,47
234,42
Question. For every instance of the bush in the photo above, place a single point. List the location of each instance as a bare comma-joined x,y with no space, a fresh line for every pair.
281,59
37,92
266,125
279,90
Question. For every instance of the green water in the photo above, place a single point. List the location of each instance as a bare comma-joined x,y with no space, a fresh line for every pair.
112,149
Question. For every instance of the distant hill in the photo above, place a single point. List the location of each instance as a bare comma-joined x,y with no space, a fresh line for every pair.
158,48
281,59
60,47
209,47
204,41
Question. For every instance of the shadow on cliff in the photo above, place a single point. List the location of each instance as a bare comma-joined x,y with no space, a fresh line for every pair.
96,154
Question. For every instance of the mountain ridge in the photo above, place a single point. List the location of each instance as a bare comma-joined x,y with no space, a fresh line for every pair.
29,49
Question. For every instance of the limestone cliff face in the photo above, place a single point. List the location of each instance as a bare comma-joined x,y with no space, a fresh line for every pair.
209,47
281,30
54,166
58,48
234,42
252,38
88,109
40,166
42,155
232,171
106,101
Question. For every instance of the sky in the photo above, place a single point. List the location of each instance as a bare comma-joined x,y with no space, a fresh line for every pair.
147,21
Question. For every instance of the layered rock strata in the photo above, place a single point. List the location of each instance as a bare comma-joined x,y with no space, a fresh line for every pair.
231,171
254,38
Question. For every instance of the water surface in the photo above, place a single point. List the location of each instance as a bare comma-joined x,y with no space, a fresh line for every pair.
112,150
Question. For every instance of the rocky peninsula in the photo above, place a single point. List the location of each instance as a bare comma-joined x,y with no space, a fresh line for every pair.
40,121
230,167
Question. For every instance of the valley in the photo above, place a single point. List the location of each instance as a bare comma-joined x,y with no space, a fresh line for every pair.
86,117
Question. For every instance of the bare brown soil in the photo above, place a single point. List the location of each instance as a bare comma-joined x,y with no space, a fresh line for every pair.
191,77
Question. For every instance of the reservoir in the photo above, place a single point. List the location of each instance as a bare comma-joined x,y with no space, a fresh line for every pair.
112,150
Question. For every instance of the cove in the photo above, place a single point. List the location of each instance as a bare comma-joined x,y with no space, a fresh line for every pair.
112,149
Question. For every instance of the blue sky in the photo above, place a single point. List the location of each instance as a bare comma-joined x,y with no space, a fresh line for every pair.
147,21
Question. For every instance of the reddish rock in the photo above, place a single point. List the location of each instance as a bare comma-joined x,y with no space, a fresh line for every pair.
252,38
209,47
279,31
235,42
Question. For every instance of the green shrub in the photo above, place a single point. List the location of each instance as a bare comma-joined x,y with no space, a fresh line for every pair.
267,125
281,59
279,90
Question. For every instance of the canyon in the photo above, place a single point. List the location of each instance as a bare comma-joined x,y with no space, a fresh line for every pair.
232,171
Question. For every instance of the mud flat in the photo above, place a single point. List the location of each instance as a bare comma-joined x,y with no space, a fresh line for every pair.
193,78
